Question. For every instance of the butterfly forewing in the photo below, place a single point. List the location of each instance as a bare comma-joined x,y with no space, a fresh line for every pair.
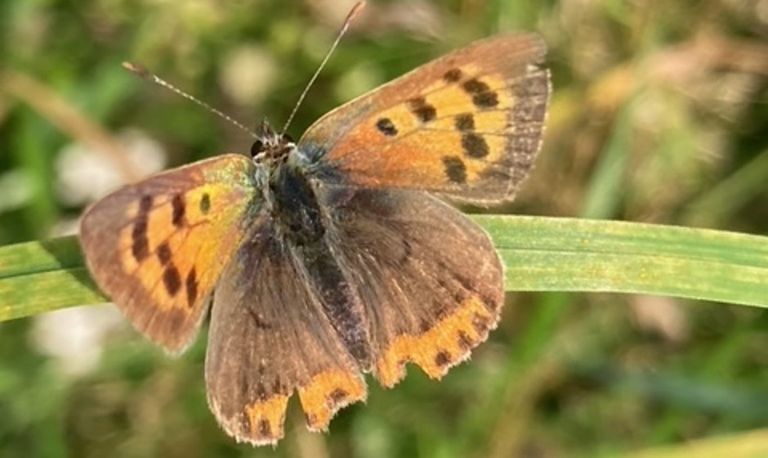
468,124
158,246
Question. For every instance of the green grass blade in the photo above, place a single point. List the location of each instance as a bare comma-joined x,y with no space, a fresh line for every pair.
541,254
37,277
750,444
559,254
730,195
606,189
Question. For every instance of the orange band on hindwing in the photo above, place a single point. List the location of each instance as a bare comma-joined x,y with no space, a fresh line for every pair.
446,344
326,393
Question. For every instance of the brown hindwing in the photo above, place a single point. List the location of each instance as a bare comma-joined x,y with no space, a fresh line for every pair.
430,278
269,338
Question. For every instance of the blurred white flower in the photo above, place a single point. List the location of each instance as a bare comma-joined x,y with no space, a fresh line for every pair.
762,11
419,18
247,74
662,315
75,337
16,188
84,175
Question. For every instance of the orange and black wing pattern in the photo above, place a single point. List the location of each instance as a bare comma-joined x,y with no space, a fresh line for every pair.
468,124
157,247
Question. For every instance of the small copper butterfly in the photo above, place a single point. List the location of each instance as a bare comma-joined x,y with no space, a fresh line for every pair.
332,256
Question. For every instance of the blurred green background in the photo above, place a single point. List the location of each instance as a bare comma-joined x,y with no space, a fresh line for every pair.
659,114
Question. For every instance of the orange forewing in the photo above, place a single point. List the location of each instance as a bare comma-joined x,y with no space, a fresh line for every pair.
468,124
158,246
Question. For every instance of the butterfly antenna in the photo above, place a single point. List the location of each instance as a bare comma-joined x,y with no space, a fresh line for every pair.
350,17
149,76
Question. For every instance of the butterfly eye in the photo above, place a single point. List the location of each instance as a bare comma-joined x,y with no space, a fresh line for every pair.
287,138
257,147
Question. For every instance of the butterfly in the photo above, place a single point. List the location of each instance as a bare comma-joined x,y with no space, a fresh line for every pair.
334,256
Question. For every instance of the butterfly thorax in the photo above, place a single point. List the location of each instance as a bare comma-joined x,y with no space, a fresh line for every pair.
288,194
295,207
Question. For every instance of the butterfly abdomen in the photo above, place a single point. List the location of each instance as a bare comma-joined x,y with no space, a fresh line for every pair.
302,227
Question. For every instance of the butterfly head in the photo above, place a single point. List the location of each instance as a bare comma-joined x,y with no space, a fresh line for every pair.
271,148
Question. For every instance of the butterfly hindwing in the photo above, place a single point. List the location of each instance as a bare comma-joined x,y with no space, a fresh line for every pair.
157,247
468,124
430,279
269,338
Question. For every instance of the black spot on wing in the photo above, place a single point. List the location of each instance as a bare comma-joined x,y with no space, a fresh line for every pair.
171,280
465,122
485,100
475,86
453,75
482,95
164,253
205,203
338,395
140,242
179,208
140,246
455,169
421,109
442,358
191,286
145,204
465,342
386,127
474,145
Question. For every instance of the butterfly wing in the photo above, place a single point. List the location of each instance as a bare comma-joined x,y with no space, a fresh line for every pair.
268,338
429,277
468,124
157,247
